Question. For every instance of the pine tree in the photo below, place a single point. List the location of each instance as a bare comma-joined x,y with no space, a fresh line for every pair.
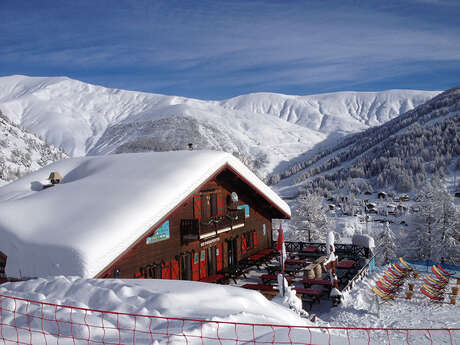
387,245
436,232
311,218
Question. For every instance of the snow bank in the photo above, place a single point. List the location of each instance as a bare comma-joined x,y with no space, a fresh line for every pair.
102,206
161,298
363,241
157,297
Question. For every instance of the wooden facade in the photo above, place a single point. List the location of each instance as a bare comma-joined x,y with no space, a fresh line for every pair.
205,234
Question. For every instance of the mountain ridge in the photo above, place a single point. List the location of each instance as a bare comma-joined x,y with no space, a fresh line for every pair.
263,127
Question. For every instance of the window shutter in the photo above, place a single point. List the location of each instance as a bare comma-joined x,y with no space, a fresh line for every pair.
219,256
174,269
196,267
197,206
165,270
244,244
203,265
220,204
255,239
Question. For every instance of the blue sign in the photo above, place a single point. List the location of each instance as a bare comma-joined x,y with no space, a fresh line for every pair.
245,208
161,233
372,265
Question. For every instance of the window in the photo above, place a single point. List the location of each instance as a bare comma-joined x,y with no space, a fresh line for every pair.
248,240
209,204
213,201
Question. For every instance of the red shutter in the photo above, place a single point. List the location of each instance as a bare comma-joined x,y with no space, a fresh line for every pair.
255,239
196,266
220,204
197,206
203,266
165,270
174,270
244,244
219,256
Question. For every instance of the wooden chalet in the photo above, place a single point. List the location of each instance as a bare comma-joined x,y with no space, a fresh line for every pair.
224,221
171,215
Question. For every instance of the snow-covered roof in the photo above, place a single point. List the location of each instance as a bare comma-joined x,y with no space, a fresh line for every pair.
102,206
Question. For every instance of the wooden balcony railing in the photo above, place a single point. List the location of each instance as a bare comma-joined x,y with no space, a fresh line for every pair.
195,229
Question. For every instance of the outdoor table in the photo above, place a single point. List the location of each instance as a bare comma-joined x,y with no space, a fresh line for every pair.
346,264
273,277
256,256
259,287
298,261
213,278
309,295
309,254
234,272
309,291
290,270
310,249
310,282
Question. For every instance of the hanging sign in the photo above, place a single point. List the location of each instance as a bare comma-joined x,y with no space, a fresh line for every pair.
161,233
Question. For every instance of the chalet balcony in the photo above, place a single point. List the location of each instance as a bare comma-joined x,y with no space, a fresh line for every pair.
198,229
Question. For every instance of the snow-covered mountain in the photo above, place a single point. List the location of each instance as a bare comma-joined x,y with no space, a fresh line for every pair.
333,112
22,152
261,129
401,154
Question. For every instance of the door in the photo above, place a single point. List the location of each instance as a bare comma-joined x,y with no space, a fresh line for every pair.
231,254
212,262
186,266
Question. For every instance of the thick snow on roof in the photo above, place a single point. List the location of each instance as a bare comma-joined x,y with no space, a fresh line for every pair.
102,206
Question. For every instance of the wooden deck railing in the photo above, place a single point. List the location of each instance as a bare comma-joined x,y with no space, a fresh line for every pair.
194,229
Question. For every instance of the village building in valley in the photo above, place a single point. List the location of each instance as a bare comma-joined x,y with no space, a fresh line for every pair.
170,215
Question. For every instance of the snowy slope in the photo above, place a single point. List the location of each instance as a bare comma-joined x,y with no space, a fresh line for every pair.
422,142
22,152
333,112
115,198
84,118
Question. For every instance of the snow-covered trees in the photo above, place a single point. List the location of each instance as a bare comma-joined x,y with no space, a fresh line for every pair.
311,218
401,154
436,228
387,245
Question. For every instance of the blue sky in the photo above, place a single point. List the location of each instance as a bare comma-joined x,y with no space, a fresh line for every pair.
214,49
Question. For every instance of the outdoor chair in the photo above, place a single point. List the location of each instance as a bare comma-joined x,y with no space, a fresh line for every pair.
444,271
382,295
430,296
405,264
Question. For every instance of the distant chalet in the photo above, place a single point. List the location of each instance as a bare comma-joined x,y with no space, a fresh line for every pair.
170,215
